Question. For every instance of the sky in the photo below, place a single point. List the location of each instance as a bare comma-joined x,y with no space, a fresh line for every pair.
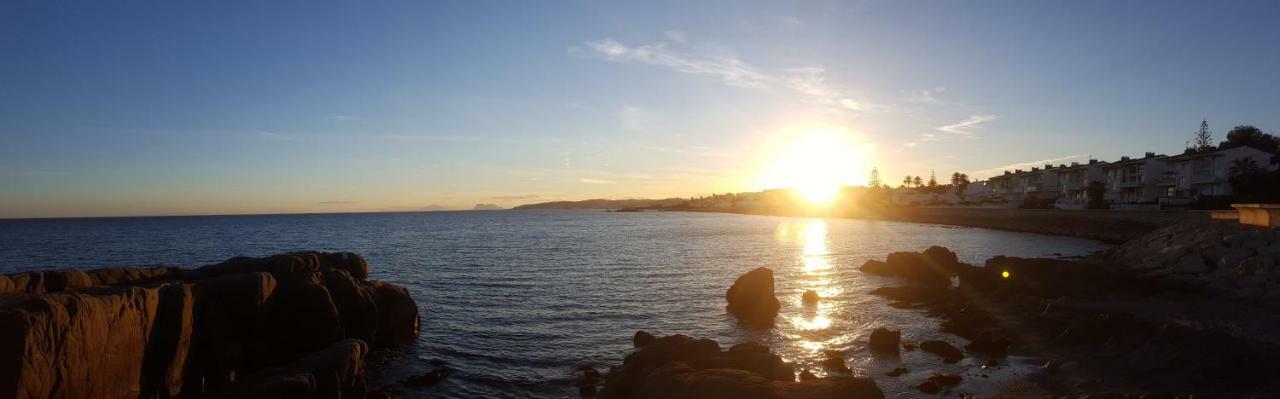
174,108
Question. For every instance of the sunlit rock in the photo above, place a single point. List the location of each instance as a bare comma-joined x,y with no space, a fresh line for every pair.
751,298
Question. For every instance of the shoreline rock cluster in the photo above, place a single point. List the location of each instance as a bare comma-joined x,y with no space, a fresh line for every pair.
295,325
680,367
1094,317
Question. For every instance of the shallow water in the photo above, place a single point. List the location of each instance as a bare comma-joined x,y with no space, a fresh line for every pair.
514,301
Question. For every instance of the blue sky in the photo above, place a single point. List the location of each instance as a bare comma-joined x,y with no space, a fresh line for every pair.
132,108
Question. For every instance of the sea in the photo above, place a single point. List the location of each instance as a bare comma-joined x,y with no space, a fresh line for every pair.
513,302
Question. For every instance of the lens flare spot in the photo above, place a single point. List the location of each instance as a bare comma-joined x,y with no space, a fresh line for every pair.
1004,274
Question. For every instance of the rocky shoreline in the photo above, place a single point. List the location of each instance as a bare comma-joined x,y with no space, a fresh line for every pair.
296,325
1188,310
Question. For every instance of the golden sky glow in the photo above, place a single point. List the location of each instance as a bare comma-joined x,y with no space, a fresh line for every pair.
815,160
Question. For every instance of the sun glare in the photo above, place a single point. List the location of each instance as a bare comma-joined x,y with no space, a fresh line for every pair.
815,162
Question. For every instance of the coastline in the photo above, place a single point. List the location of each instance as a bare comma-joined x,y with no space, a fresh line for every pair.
1111,227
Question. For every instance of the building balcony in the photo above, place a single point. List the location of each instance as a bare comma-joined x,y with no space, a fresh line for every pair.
1203,177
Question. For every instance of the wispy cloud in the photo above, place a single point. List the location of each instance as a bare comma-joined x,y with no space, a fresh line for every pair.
680,55
345,118
595,181
968,126
926,96
274,136
336,202
1027,165
726,67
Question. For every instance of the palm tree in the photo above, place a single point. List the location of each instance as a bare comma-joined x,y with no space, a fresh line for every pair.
906,181
917,181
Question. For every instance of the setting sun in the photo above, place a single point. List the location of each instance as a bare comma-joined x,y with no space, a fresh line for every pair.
816,162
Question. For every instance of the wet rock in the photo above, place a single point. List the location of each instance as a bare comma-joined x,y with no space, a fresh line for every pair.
680,367
896,372
805,375
989,344
751,298
588,381
885,340
937,382
397,314
834,362
810,297
949,353
428,378
642,338
335,372
756,358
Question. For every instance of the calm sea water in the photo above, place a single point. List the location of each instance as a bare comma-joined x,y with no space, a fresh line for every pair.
514,301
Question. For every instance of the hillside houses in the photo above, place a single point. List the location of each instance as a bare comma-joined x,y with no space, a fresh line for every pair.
1152,180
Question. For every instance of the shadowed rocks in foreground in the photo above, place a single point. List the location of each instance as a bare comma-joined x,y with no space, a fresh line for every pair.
679,366
751,298
287,326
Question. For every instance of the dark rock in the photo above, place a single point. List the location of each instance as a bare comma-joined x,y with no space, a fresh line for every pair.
810,297
588,383
169,343
933,267
950,354
805,375
834,362
333,373
299,319
428,378
642,338
398,314
938,382
758,359
355,304
896,372
751,298
885,340
988,344
680,367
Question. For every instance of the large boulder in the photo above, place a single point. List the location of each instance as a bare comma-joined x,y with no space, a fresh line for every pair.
751,298
88,344
398,320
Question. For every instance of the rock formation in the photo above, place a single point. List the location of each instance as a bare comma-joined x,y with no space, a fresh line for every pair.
751,298
295,326
885,340
933,267
678,366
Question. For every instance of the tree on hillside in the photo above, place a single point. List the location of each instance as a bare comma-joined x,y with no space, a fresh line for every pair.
960,182
1248,180
933,181
1203,140
1247,135
875,178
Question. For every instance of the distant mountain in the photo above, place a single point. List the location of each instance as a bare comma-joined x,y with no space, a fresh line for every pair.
604,204
488,207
